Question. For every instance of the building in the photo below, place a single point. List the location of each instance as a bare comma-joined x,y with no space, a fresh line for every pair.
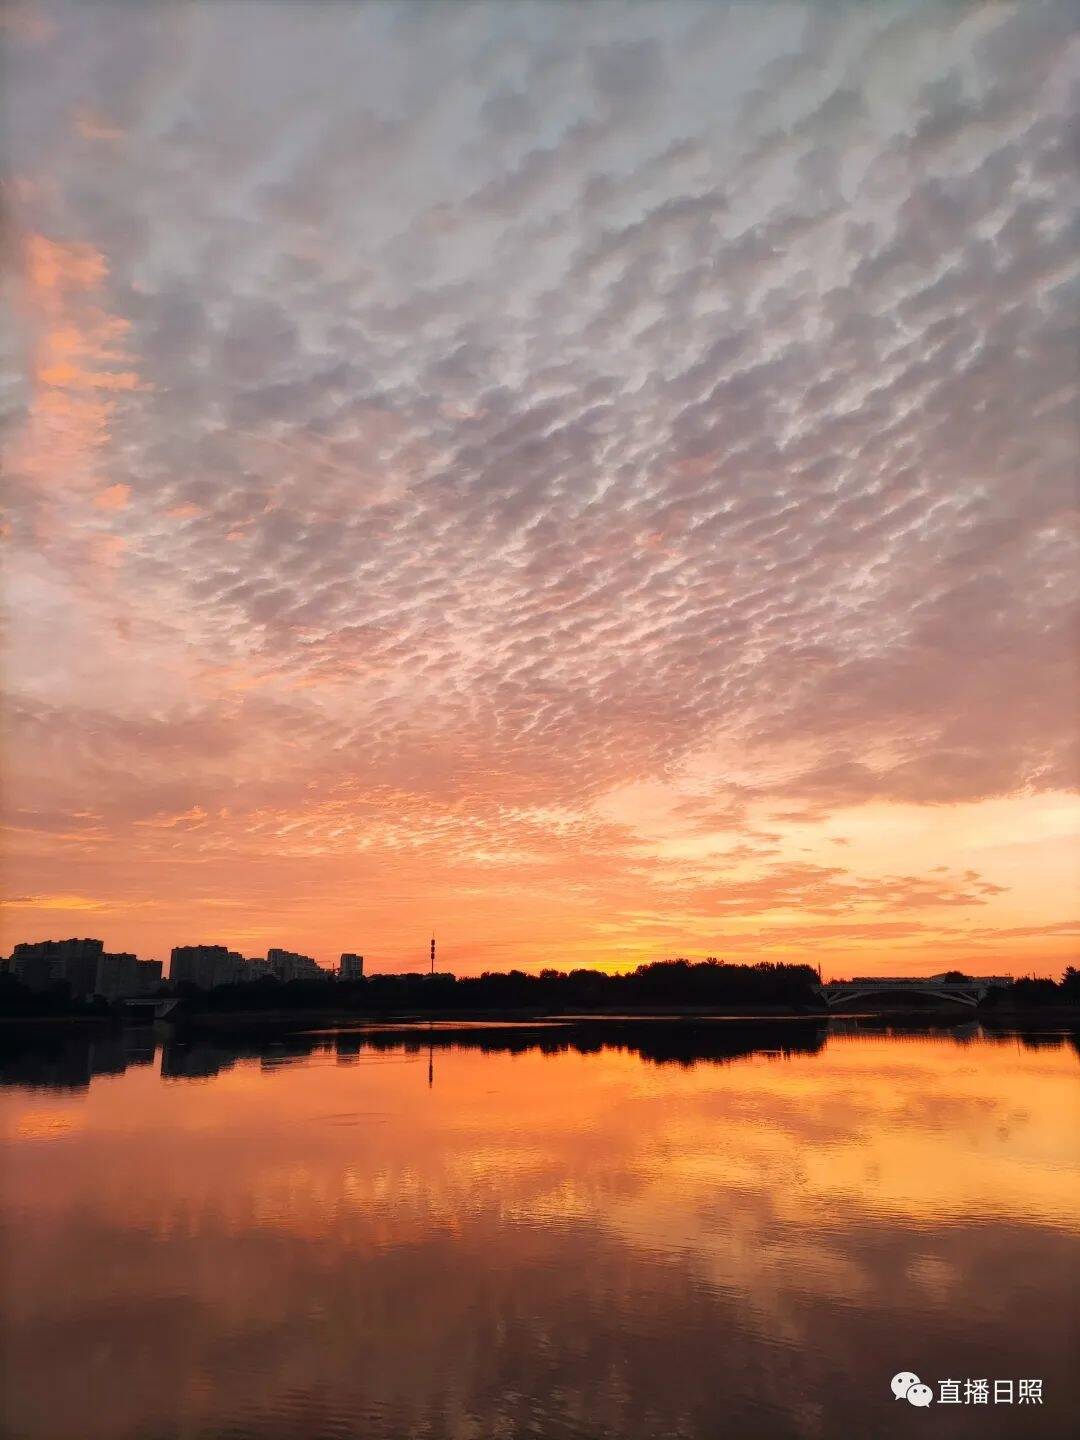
211,965
351,967
202,965
148,976
287,965
206,966
125,977
116,977
86,967
41,963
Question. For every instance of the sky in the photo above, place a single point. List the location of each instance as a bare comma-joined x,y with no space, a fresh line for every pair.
599,481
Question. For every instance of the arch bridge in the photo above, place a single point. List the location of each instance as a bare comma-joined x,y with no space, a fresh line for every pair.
966,991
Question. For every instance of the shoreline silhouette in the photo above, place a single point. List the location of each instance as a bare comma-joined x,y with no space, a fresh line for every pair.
676,989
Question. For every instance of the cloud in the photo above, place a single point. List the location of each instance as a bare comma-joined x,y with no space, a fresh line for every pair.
539,404
53,904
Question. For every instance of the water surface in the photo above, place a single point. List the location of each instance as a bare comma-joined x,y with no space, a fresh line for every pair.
679,1232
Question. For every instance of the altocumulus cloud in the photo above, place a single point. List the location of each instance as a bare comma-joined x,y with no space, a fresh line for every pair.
428,421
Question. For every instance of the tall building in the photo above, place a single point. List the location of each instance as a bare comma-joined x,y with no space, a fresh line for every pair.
206,965
351,967
87,967
117,976
210,965
148,976
39,964
288,965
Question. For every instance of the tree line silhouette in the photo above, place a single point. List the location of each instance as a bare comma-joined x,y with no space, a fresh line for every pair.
665,984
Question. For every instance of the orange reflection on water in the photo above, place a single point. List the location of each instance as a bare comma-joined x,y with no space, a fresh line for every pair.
415,1254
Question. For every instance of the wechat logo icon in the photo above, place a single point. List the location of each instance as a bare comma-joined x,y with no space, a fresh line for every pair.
906,1385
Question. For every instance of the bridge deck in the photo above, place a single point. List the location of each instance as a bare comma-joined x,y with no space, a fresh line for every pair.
965,992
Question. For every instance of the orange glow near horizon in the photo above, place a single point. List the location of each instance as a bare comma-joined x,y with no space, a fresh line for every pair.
611,897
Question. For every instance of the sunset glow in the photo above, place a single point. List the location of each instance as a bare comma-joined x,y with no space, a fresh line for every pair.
599,497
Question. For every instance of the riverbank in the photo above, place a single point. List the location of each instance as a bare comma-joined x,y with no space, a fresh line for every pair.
945,1018
295,1020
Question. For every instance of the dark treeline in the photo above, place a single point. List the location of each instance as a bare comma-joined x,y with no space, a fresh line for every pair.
663,985
1025,993
19,999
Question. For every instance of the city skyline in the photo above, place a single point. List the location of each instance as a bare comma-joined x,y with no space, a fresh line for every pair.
285,964
606,491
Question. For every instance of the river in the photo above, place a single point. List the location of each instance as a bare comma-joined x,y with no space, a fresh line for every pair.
621,1230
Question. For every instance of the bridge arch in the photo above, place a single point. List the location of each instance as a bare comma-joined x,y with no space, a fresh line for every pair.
842,994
